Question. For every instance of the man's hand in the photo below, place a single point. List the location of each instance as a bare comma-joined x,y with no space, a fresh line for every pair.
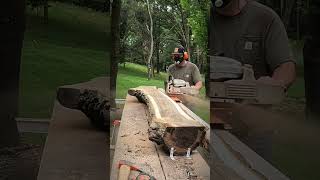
272,81
198,85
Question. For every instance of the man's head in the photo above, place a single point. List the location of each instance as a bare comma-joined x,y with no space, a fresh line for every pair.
180,56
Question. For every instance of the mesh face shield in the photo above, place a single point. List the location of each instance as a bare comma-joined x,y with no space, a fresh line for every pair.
220,3
177,57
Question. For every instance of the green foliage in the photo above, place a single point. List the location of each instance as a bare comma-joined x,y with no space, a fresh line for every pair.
198,20
176,23
97,5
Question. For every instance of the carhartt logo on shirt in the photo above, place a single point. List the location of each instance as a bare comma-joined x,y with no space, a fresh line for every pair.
248,45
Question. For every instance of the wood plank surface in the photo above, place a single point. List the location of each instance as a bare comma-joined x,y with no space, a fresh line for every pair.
74,149
183,168
244,161
133,144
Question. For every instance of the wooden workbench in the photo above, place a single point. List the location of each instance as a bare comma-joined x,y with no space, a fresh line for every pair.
134,146
74,149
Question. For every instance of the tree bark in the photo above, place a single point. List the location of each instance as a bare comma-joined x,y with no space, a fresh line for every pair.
45,11
158,46
311,57
12,27
115,53
288,12
151,42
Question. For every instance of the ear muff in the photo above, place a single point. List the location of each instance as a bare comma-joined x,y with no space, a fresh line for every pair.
185,56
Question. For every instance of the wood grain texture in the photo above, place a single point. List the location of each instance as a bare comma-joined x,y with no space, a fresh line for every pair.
232,159
169,123
133,145
132,141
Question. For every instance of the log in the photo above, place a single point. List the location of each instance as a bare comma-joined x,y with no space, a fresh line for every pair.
133,145
91,98
168,123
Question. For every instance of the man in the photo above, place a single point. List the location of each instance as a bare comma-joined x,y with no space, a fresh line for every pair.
184,69
253,34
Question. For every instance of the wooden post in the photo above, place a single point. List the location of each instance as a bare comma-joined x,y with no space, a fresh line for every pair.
311,58
12,26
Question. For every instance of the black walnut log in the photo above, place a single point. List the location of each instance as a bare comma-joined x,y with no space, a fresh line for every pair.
169,124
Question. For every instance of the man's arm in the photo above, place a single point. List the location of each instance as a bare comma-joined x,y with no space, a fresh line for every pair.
278,54
197,78
285,74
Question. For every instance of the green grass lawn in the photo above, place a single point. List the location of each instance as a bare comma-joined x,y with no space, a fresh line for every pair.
134,75
72,48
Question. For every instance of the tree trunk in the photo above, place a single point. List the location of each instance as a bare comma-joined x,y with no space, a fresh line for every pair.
12,27
288,12
299,7
158,46
198,58
115,44
311,57
151,42
45,11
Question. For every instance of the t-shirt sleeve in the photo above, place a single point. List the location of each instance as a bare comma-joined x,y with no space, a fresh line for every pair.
277,45
169,72
196,75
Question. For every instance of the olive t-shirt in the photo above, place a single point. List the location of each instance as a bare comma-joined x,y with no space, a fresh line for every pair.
189,72
256,36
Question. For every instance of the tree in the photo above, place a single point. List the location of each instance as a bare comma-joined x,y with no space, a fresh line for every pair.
115,44
198,21
150,30
173,25
311,56
45,11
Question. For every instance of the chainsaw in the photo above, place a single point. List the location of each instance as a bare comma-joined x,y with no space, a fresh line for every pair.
233,82
179,87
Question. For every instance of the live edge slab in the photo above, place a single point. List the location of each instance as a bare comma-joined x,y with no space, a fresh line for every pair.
133,145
